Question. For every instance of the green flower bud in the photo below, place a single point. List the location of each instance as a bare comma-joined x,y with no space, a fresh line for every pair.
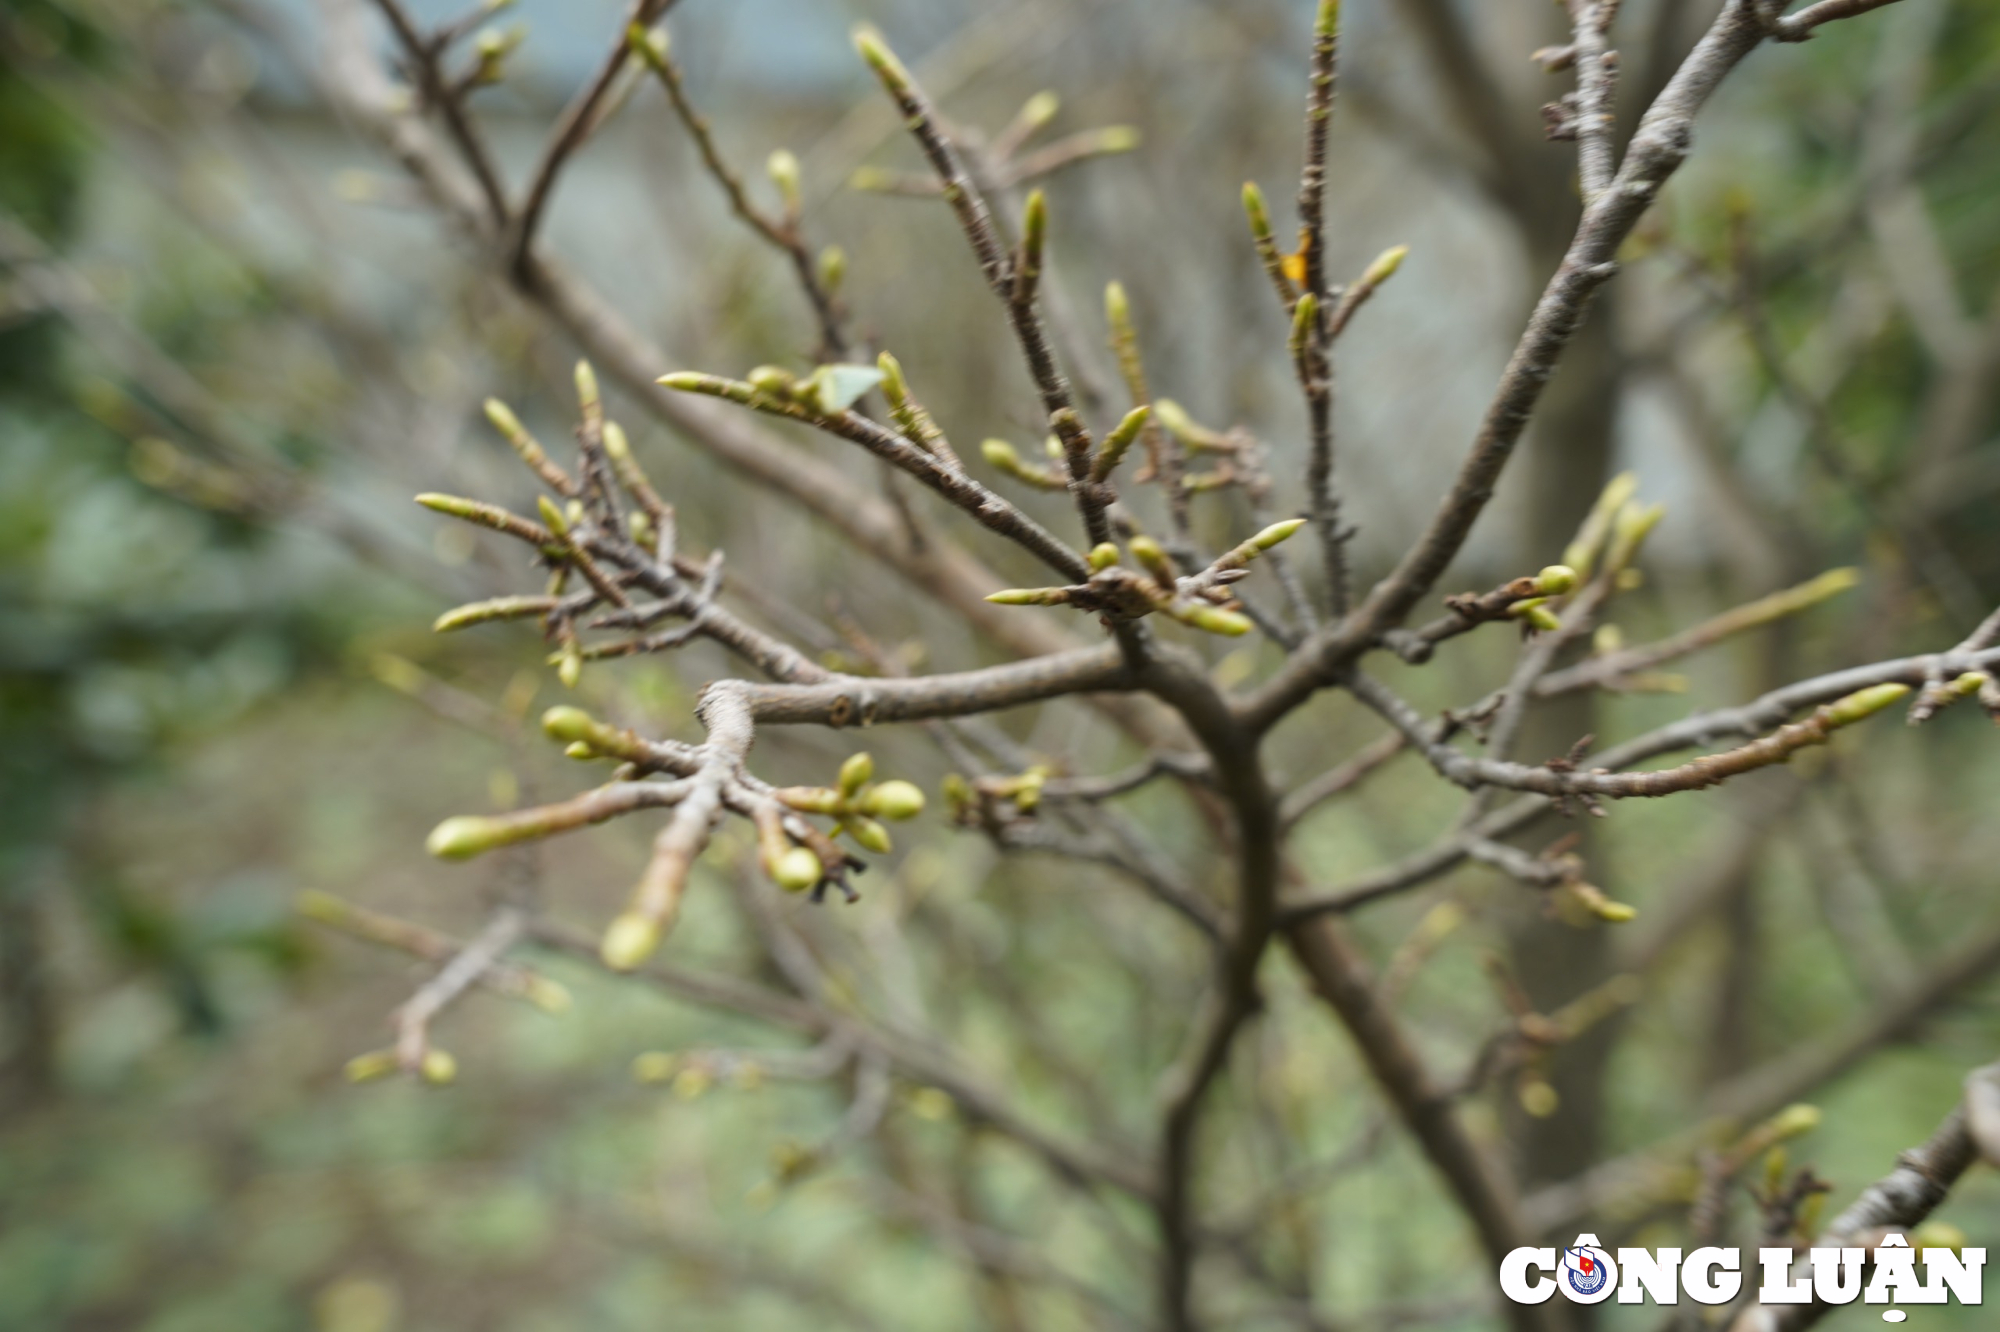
881,59
1000,454
832,268
783,168
1305,318
1794,1121
1154,557
1117,308
797,870
1809,1214
1255,209
570,724
1555,580
322,907
438,1068
649,46
552,515
812,799
770,379
1539,616
579,750
524,444
485,612
1034,228
629,942
1538,1098
1863,703
1039,110
792,1161
551,997
867,833
371,1066
1581,553
464,837
655,1067
1029,596
1385,265
1112,451
1938,1235
1276,532
894,387
1215,620
896,800
1775,1165
1175,418
399,673
1102,556
1631,527
855,774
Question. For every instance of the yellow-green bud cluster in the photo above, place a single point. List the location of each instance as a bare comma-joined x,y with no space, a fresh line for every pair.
858,803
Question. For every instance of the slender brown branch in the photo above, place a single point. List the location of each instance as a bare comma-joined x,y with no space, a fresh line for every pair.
1560,779
579,121
1313,355
1798,27
1919,1184
1309,795
1596,93
502,977
468,967
1606,669
992,511
784,234
856,701
1658,147
351,80
925,1062
1764,1091
1750,719
1340,976
1013,280
425,55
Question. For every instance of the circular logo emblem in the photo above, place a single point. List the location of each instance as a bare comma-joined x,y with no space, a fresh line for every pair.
1587,1273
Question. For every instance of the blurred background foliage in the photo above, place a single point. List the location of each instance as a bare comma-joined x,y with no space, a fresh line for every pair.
231,346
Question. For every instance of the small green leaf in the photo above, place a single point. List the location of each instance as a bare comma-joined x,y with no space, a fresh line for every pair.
835,388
